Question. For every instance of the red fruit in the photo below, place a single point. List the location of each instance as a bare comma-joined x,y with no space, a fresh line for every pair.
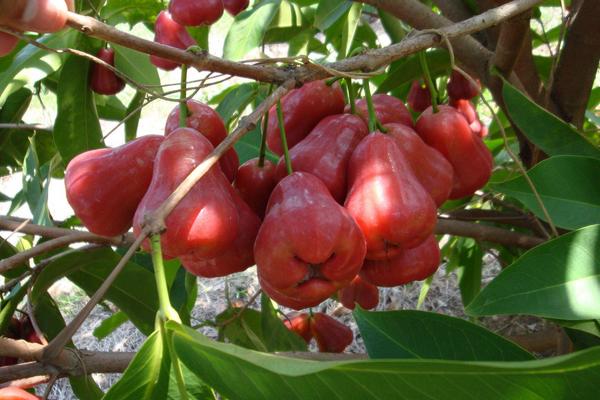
105,186
430,167
466,108
302,109
325,152
387,201
237,257
300,324
387,109
16,393
206,220
27,332
308,245
208,122
102,79
331,335
361,292
255,184
460,87
196,12
419,97
7,43
234,7
449,132
410,265
169,32
13,331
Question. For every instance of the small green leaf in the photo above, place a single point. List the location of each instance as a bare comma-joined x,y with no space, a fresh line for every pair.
248,147
236,99
109,107
407,69
469,259
137,66
109,325
329,12
277,336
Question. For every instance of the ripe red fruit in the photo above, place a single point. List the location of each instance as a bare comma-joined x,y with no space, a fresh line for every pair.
105,186
419,97
234,7
102,79
208,122
27,332
300,324
302,109
255,184
430,167
331,335
460,87
467,109
237,257
387,201
361,292
325,152
16,393
410,265
387,109
194,12
308,245
7,43
449,132
206,220
169,32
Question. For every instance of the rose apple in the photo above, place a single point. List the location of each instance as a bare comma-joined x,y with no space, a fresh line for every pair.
255,184
387,109
169,32
361,292
103,80
331,335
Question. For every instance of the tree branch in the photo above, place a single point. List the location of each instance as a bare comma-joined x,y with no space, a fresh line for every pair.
510,42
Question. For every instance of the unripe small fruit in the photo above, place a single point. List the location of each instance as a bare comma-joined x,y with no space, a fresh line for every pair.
331,335
234,7
300,325
103,80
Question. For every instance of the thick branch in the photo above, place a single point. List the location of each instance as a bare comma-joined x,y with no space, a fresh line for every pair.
510,42
457,11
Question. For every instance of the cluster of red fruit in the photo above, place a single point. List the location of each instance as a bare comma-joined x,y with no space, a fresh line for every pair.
19,329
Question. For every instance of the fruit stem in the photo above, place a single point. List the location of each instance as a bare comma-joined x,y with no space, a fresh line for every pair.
183,109
333,80
166,309
428,81
351,95
263,140
286,153
372,116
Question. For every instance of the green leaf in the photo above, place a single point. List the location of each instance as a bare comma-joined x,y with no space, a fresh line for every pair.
545,130
236,99
132,11
109,107
131,125
109,325
349,30
14,143
36,183
469,259
237,373
408,69
417,334
137,66
329,12
277,336
77,128
568,187
200,34
248,147
558,279
247,31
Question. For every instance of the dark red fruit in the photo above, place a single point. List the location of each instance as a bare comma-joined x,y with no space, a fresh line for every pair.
467,109
105,186
325,152
102,79
419,97
255,184
13,331
460,87
300,325
308,245
234,7
331,335
169,32
196,12
208,122
361,292
302,109
410,265
7,43
387,109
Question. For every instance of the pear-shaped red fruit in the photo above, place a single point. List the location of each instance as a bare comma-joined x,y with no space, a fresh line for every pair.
467,109
302,110
459,87
234,7
308,245
196,12
387,201
237,257
255,183
105,186
208,122
325,152
331,335
449,132
300,325
387,109
361,292
206,219
410,265
102,79
419,97
169,32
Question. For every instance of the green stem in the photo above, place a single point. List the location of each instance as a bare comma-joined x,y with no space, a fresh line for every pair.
183,109
263,140
333,80
370,107
351,95
174,361
286,154
428,81
166,309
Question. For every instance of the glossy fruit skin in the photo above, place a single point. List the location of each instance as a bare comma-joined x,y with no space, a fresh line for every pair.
331,335
169,32
419,97
237,257
234,7
206,219
325,152
255,184
430,167
16,393
308,245
105,186
194,12
208,122
467,109
361,292
103,80
300,324
408,266
387,109
302,110
385,198
460,87
449,132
